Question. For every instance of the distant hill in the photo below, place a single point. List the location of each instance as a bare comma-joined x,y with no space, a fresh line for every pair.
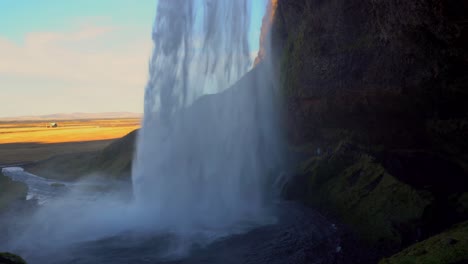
113,161
74,116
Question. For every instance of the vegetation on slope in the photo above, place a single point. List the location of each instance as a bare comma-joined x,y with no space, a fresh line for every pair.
449,247
25,142
8,258
114,161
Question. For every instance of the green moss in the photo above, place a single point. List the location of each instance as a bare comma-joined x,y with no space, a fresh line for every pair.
449,247
8,258
11,191
323,169
375,202
364,195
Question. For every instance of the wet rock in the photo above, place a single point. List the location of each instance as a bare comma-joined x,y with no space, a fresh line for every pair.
57,185
8,258
380,85
11,192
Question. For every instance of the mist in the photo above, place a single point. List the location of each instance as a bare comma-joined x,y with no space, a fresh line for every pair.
208,154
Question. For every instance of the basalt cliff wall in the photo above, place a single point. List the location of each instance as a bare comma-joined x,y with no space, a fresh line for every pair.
375,108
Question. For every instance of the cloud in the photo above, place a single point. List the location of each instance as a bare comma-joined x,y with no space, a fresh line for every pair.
90,60
77,56
93,67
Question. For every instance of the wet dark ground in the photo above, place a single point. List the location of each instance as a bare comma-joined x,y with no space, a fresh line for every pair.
301,236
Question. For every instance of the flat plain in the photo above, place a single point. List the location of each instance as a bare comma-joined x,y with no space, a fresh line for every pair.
30,141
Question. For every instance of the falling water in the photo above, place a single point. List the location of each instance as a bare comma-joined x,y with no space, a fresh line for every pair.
207,154
205,163
197,43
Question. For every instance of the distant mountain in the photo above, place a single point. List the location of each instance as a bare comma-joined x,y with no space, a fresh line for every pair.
74,116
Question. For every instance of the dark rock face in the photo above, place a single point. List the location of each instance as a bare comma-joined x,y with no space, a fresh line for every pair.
8,258
11,192
375,99
382,68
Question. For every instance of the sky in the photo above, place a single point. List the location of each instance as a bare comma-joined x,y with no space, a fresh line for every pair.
60,56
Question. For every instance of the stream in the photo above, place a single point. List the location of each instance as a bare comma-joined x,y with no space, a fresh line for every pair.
39,188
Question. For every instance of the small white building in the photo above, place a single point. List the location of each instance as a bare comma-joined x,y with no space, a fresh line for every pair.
53,125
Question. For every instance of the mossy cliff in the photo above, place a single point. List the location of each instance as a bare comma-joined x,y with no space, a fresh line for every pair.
448,247
375,107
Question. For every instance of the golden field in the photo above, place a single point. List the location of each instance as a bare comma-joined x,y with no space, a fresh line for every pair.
28,141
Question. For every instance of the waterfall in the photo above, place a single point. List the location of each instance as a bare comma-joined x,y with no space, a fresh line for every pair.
206,155
199,46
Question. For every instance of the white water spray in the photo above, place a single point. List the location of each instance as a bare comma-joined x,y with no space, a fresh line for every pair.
208,152
206,165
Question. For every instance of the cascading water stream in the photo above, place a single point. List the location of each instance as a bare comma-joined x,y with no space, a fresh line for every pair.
205,165
200,46
208,152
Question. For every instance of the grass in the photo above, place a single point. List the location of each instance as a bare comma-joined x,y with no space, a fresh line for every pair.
68,131
114,161
449,247
32,141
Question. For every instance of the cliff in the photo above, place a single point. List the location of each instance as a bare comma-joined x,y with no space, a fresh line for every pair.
375,108
265,31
